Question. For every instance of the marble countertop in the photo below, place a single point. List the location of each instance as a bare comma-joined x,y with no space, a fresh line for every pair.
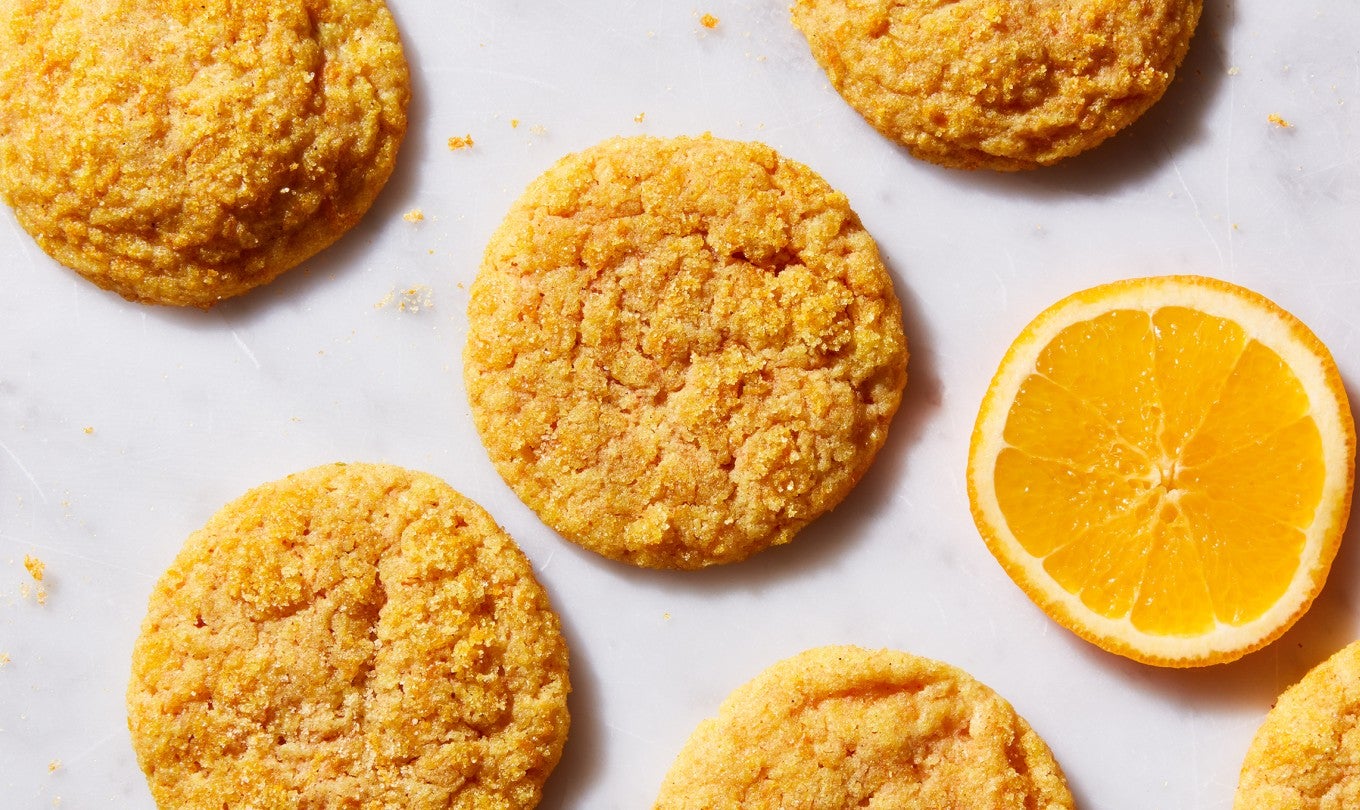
124,427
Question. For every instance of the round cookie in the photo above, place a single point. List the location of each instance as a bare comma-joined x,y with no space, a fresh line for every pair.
184,152
999,84
1306,755
681,351
837,727
350,636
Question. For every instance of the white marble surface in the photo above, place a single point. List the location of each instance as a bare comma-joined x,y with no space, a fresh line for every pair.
189,409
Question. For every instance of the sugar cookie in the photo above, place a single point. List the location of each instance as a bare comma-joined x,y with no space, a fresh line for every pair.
350,636
838,727
184,152
681,351
1306,755
999,84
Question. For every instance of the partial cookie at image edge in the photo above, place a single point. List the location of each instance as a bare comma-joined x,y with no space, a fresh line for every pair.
356,633
1306,753
843,726
252,137
999,85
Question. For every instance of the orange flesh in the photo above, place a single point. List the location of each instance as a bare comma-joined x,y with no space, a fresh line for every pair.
1164,467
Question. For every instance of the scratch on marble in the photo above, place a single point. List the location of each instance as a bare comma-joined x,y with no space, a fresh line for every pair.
1199,216
632,734
100,743
245,348
1228,177
1001,282
520,77
939,608
1350,160
25,471
148,575
546,562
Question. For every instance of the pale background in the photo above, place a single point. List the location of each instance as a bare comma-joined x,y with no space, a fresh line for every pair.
189,409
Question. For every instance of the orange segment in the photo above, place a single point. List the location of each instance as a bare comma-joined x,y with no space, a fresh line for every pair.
1107,363
1248,568
1195,354
1051,422
1165,466
1048,503
1260,395
1099,567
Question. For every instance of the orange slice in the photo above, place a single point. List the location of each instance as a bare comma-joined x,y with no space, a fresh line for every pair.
1164,465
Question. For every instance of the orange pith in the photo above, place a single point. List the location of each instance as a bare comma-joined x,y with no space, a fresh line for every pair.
1164,465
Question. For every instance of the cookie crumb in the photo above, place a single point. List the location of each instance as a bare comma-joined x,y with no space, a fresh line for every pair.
412,299
639,118
89,430
53,766
1232,71
465,142
4,660
35,567
414,215
538,129
709,21
514,123
41,595
1275,119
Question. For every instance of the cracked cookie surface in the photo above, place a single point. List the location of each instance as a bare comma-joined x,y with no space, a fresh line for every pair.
681,351
1306,755
350,636
998,84
839,727
184,152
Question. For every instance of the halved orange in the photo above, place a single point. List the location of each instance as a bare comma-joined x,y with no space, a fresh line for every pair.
1164,465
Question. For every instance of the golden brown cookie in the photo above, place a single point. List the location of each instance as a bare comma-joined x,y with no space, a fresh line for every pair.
350,636
999,84
184,152
680,351
1306,755
840,727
